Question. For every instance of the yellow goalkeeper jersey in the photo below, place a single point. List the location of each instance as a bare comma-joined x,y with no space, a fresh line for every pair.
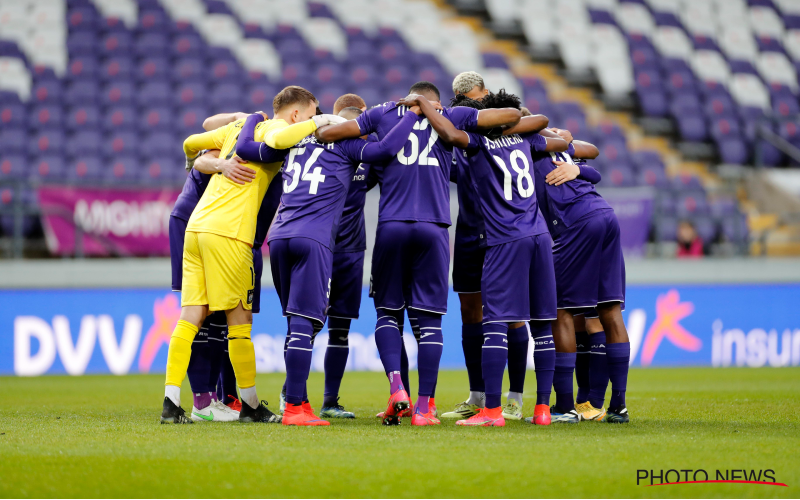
230,209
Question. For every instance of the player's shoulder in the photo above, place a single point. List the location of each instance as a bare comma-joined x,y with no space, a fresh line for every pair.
383,108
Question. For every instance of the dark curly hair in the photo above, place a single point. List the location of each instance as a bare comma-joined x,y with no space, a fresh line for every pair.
462,100
501,99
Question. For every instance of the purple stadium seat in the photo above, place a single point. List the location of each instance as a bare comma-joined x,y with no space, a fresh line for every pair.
155,94
317,9
329,73
791,21
153,69
328,94
117,69
218,7
652,175
721,207
494,60
706,228
680,82
189,69
784,102
118,93
767,44
226,96
156,119
733,149
692,203
190,120
666,19
48,168
46,142
710,89
10,49
12,115
83,18
118,43
13,141
371,95
292,49
644,57
363,74
601,17
719,105
13,167
685,182
83,68
85,143
187,45
82,43
85,169
191,94
725,126
121,144
396,92
652,98
532,84
153,20
112,25
685,104
46,92
120,118
150,44
734,228
619,175
161,144
259,97
253,30
83,117
665,229
647,157
156,171
226,71
741,66
48,116
121,169
44,74
692,127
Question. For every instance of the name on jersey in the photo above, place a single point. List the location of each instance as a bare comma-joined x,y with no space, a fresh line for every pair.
503,142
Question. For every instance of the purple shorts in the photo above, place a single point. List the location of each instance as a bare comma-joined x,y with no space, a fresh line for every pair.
177,233
590,268
258,268
346,283
468,257
519,283
409,266
301,270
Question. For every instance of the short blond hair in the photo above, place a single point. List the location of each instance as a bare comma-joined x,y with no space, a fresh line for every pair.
347,101
466,81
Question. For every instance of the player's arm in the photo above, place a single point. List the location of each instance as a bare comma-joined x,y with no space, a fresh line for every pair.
393,142
501,117
252,150
528,124
565,172
222,119
195,144
283,136
555,144
444,127
578,149
232,168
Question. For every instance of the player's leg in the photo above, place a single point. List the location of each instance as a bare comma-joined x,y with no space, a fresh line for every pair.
505,293
204,369
345,302
581,359
593,408
306,265
518,338
429,264
194,309
388,277
564,338
543,313
612,298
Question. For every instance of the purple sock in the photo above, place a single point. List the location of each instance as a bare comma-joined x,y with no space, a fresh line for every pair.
217,349
494,354
403,358
335,358
518,357
199,369
544,359
431,343
390,344
598,369
582,362
298,358
203,399
618,357
285,347
562,381
423,404
226,386
471,342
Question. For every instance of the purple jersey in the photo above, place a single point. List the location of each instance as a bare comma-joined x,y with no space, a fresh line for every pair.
500,172
316,180
469,225
415,182
193,189
352,235
564,205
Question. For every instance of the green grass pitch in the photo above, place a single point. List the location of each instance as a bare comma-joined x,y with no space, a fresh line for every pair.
99,436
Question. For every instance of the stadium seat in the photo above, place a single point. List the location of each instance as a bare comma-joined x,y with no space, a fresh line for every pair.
84,143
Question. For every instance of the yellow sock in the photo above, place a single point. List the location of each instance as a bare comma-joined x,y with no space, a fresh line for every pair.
243,356
180,350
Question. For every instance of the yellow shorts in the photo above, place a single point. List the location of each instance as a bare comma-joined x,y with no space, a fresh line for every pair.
217,271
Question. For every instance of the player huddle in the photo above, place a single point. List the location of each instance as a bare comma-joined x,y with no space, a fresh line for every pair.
537,256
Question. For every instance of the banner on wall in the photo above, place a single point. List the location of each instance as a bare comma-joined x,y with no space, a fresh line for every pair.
128,331
633,208
112,221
